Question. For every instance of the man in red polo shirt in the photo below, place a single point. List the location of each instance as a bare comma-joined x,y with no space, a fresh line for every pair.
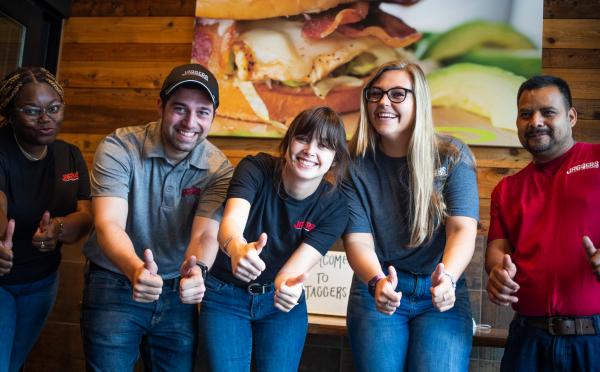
536,259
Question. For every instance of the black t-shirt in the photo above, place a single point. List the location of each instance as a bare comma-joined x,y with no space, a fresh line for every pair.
53,184
318,220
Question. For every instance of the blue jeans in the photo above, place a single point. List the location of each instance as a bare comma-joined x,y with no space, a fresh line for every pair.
112,326
232,321
531,349
24,309
416,337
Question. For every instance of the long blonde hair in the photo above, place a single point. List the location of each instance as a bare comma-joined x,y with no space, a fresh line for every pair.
425,153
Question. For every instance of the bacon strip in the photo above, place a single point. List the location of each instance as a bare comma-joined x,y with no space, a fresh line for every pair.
389,29
212,42
324,23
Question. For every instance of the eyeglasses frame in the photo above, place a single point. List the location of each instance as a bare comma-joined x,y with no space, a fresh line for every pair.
63,104
387,92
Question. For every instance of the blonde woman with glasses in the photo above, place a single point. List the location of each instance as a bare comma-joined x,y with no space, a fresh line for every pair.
414,209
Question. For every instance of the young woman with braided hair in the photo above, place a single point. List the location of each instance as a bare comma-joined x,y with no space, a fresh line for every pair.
44,202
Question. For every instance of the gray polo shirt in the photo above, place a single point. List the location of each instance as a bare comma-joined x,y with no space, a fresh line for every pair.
130,163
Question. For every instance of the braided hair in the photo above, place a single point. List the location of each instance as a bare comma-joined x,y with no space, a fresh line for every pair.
15,81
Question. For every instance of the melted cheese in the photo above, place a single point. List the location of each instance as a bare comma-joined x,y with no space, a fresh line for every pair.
279,52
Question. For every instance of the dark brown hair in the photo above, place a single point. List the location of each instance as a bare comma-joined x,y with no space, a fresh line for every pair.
326,124
16,80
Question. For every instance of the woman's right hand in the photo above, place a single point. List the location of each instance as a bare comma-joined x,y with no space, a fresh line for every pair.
6,244
246,264
386,297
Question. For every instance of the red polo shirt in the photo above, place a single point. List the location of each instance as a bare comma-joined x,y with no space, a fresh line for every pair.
545,210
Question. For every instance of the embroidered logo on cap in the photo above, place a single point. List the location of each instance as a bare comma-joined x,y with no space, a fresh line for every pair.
70,177
197,73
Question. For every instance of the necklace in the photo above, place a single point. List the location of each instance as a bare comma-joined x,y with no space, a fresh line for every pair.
25,152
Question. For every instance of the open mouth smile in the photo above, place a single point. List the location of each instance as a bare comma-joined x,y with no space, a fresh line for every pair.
386,115
186,134
306,163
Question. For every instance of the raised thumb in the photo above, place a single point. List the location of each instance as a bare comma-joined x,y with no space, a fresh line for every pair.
438,274
149,263
509,266
590,250
392,278
8,233
297,280
262,241
45,222
188,267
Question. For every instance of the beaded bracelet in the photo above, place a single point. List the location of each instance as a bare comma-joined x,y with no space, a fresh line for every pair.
60,225
224,249
451,279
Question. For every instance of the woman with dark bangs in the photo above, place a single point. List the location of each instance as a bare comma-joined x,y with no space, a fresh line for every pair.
281,216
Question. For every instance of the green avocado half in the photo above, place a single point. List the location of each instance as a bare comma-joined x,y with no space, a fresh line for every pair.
527,62
475,35
483,90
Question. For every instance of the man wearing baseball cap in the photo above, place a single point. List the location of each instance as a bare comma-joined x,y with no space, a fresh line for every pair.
157,196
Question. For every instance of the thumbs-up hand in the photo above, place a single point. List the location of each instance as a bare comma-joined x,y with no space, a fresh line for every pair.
289,292
6,253
593,256
191,286
46,235
501,285
147,285
386,297
442,290
246,264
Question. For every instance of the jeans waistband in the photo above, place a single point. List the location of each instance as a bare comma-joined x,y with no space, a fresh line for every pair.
166,283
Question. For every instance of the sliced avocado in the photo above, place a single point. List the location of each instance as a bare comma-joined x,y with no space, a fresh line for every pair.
362,64
473,35
294,83
230,67
484,90
526,62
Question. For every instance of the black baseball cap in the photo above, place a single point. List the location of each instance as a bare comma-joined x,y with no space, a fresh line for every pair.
193,73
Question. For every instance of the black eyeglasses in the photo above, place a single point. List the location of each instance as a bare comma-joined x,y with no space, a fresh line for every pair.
396,95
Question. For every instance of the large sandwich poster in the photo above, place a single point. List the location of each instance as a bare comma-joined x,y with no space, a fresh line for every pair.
276,58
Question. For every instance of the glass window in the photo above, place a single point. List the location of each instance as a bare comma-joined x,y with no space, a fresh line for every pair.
12,41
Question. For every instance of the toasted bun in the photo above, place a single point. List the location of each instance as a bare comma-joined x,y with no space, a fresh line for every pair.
284,102
259,9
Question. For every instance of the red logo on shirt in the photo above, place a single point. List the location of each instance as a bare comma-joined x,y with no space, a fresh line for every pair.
191,191
306,225
70,177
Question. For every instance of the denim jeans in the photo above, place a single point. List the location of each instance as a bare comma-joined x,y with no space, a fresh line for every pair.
416,337
232,321
24,309
112,326
531,349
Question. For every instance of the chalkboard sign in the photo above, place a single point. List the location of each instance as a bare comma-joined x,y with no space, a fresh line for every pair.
328,286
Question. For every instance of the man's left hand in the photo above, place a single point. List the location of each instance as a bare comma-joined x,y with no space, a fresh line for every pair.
191,287
593,256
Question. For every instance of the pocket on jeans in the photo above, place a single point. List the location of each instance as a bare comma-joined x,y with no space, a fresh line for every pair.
213,284
100,279
514,328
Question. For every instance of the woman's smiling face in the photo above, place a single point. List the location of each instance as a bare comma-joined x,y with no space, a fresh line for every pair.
391,119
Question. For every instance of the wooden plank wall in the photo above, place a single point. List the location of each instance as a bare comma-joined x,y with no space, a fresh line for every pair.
117,53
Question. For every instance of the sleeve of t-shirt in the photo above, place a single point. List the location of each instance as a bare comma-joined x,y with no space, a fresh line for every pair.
358,222
330,227
497,229
460,192
83,188
111,169
211,200
248,178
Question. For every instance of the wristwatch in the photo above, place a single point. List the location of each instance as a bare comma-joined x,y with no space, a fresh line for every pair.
373,282
203,269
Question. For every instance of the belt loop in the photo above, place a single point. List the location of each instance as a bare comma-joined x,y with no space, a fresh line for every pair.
597,324
578,327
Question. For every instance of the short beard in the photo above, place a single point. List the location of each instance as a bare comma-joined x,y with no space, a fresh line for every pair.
552,146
